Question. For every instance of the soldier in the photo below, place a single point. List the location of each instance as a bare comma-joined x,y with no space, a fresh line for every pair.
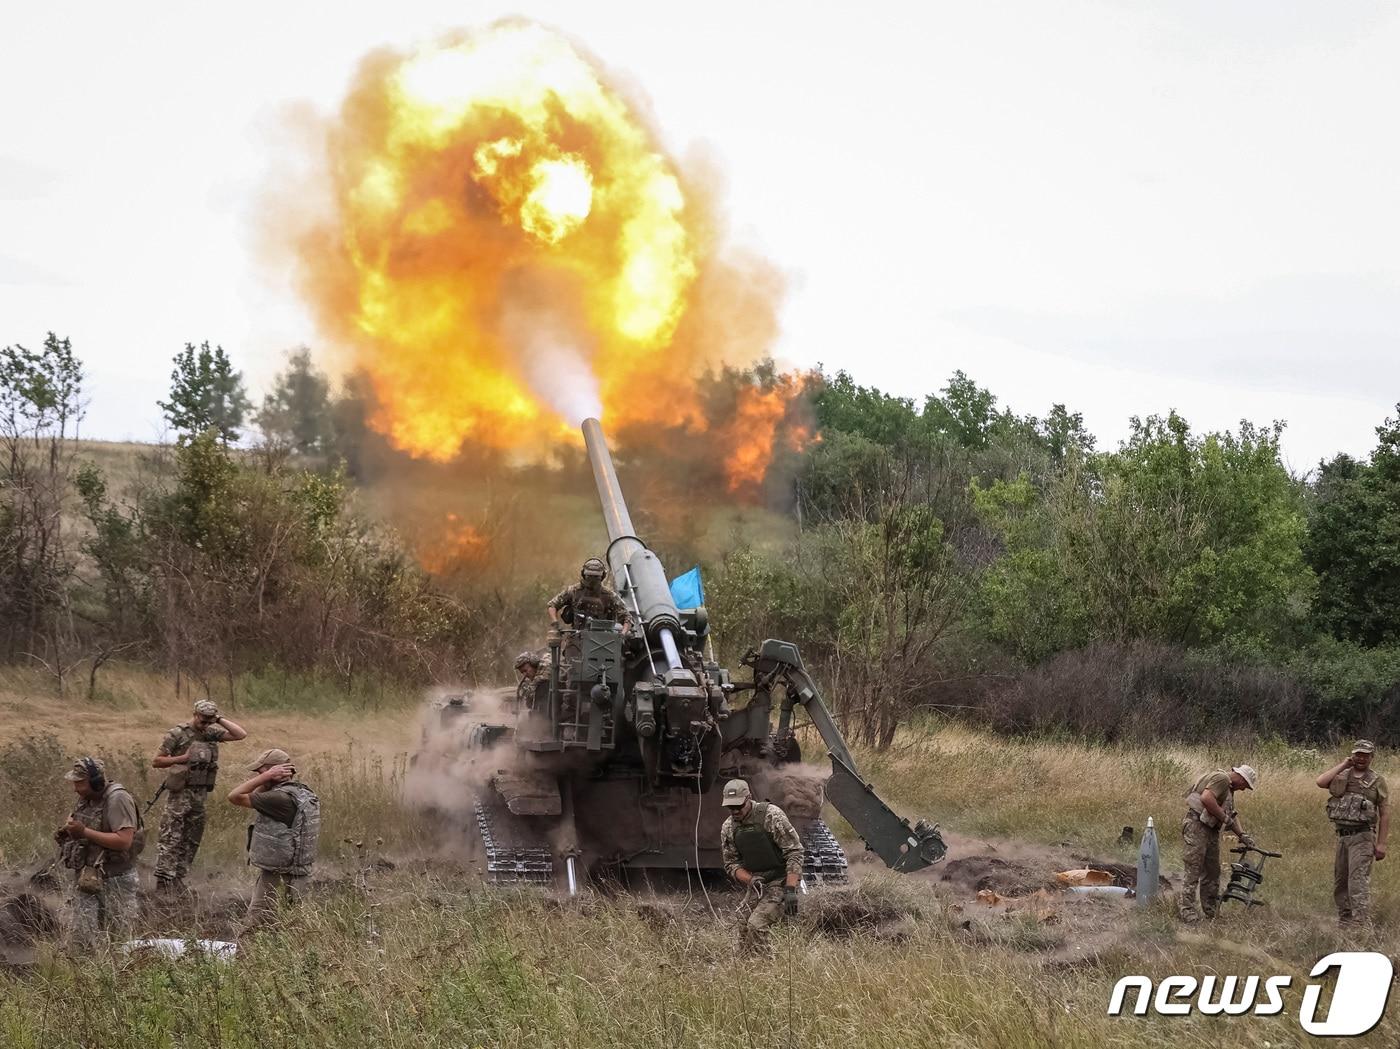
99,845
191,753
590,597
284,833
1359,808
527,665
1210,806
761,851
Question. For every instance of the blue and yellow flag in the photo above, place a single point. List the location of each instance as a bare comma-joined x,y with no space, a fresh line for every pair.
687,590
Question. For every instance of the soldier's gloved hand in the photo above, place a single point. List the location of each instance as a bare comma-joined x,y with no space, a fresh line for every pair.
1247,840
790,901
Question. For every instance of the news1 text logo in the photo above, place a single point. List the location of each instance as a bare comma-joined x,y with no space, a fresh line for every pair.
1359,996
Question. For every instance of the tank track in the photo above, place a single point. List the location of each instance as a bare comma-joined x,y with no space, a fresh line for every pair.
512,864
825,860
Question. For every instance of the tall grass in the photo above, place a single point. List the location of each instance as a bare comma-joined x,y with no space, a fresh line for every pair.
432,964
418,955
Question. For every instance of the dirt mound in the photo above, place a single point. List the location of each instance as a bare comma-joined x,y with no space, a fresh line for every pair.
25,919
875,907
1005,877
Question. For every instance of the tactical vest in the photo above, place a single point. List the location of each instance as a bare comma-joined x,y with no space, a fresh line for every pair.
1196,808
202,769
279,849
92,814
758,852
597,605
1354,802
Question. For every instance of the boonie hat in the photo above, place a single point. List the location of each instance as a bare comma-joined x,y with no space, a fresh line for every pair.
269,757
1364,746
736,792
83,769
1251,778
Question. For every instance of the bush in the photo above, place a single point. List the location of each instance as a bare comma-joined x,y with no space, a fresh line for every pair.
1149,691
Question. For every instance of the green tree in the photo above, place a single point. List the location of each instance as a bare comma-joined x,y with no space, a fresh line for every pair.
297,411
41,407
1354,542
206,393
1175,537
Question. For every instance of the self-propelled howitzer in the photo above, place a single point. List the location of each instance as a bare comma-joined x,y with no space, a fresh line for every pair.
613,760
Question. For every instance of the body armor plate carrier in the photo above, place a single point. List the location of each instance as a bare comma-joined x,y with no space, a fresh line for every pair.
1351,809
758,853
275,847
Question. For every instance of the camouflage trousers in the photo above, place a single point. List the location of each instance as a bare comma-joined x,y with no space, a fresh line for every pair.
181,831
1351,881
266,893
1201,853
758,914
113,910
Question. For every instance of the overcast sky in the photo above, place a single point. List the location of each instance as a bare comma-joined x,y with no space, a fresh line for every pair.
1123,206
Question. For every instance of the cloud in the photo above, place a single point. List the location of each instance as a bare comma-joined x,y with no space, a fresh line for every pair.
1316,334
17,271
24,180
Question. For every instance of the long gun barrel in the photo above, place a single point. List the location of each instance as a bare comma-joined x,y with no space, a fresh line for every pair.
637,571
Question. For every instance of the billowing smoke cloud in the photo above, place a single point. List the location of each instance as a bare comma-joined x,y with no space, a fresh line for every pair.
503,247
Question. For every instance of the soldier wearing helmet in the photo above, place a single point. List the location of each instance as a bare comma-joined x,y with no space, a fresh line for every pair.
1358,804
527,665
590,597
762,852
1210,805
190,755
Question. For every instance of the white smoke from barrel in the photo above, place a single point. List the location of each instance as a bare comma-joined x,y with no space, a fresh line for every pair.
563,378
552,352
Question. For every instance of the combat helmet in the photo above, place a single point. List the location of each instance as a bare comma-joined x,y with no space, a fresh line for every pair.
594,569
525,659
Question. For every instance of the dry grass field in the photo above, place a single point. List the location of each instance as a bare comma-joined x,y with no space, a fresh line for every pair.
402,946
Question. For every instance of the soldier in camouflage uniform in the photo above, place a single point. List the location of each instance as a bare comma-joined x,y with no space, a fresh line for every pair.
589,598
1209,806
284,834
1358,805
761,851
190,753
99,844
527,665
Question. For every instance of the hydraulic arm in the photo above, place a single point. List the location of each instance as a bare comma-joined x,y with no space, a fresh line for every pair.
901,846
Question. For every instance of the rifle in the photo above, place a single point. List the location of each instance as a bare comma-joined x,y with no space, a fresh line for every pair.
146,811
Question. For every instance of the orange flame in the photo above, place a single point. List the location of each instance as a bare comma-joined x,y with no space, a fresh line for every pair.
509,250
457,545
752,434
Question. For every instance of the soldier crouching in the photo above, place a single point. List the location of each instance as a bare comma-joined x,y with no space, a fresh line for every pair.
761,851
99,844
284,834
